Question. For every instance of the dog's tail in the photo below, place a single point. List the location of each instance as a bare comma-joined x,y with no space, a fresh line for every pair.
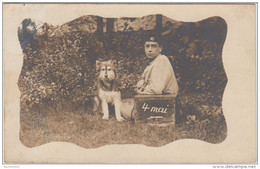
96,105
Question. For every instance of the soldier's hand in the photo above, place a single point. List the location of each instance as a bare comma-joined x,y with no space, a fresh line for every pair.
140,84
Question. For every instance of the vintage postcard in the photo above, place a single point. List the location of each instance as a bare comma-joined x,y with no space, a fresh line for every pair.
129,83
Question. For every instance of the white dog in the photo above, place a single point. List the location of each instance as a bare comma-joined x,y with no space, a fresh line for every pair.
108,89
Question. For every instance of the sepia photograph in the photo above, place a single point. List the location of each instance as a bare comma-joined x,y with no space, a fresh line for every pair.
98,79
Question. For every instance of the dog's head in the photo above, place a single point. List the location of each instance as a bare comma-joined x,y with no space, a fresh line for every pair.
106,70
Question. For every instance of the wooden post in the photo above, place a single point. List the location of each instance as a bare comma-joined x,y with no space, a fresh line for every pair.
158,27
110,29
99,24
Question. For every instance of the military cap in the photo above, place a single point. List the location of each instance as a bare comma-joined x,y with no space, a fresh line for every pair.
154,38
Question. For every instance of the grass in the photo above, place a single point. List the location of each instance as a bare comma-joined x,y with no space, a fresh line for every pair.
89,130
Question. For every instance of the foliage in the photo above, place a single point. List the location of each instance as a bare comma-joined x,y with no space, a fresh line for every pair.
59,63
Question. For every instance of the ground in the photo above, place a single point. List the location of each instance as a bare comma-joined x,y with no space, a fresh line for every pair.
89,130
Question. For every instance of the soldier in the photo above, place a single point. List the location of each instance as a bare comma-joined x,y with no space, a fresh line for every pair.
158,77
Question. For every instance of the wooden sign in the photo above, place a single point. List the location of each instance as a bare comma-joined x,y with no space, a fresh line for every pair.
155,108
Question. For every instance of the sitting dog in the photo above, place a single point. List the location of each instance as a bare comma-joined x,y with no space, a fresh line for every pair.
108,89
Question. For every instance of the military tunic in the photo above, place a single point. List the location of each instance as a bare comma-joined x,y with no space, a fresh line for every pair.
158,77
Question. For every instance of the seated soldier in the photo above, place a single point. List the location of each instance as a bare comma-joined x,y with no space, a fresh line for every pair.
158,77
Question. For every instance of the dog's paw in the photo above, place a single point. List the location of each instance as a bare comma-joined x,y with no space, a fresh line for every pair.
105,117
120,119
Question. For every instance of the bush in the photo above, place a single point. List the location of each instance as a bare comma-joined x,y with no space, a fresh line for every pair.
59,62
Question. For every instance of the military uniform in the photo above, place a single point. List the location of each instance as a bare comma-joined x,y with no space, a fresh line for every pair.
159,78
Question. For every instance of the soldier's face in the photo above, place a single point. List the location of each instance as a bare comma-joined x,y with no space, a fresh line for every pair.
152,49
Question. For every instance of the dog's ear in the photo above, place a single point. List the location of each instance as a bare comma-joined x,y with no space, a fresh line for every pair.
114,62
97,64
110,62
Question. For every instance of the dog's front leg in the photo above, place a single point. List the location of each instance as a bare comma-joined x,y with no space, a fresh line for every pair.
105,110
117,104
96,107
